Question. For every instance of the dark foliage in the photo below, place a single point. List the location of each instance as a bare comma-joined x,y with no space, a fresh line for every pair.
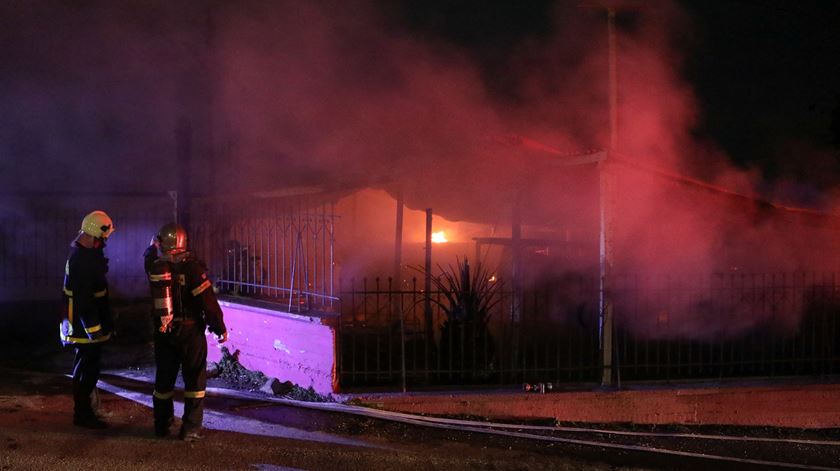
466,348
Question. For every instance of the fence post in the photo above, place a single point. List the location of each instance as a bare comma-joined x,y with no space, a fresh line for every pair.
399,309
398,236
427,299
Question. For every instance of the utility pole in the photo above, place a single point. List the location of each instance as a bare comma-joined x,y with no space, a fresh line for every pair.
607,187
606,194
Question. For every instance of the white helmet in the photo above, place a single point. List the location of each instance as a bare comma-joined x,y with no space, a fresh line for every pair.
97,224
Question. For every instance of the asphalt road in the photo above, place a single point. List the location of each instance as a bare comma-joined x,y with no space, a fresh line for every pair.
249,433
254,433
36,434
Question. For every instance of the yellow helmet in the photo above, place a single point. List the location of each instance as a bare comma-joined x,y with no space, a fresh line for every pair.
97,224
173,238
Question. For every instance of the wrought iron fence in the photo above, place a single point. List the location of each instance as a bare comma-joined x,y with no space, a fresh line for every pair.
383,339
36,233
731,325
666,328
278,251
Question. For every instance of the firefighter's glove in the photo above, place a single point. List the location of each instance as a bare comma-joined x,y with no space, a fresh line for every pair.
165,324
66,329
222,338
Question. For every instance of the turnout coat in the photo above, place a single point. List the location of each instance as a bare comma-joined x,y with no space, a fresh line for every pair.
86,315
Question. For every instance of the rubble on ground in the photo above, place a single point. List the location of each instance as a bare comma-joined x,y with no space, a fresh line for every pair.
235,376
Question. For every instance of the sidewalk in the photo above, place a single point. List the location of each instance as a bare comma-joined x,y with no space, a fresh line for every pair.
814,405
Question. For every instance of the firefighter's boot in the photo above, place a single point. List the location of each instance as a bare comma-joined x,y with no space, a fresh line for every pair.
164,413
190,435
162,427
83,414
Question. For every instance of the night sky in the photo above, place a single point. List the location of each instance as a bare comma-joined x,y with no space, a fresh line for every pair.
768,74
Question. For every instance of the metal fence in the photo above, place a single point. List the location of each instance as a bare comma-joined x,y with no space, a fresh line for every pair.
383,339
280,251
36,233
666,328
732,325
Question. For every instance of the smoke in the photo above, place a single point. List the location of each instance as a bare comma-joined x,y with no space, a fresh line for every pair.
88,96
310,92
349,95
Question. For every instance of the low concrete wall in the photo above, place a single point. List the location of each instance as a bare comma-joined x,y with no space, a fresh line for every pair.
803,406
290,347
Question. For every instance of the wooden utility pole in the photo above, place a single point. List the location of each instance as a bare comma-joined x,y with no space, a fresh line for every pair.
606,189
606,193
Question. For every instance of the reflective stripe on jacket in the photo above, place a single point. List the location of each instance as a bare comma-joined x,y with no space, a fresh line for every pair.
86,304
192,290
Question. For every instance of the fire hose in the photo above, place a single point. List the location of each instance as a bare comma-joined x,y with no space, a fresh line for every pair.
517,430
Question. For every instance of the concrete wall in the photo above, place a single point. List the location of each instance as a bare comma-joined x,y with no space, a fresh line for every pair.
290,347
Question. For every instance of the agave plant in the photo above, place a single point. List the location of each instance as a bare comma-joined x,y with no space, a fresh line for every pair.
467,298
467,295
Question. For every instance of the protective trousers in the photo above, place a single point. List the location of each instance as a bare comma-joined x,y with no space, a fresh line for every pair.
86,367
185,348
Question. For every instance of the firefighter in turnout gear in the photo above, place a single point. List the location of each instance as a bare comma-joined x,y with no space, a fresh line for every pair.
86,322
185,305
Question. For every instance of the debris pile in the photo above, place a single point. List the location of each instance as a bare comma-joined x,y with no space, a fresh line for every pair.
236,376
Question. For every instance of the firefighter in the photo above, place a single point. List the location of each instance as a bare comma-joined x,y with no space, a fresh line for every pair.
86,322
185,305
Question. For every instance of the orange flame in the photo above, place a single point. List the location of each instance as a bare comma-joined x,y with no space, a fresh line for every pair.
439,237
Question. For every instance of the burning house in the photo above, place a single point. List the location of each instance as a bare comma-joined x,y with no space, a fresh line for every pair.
337,174
673,257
